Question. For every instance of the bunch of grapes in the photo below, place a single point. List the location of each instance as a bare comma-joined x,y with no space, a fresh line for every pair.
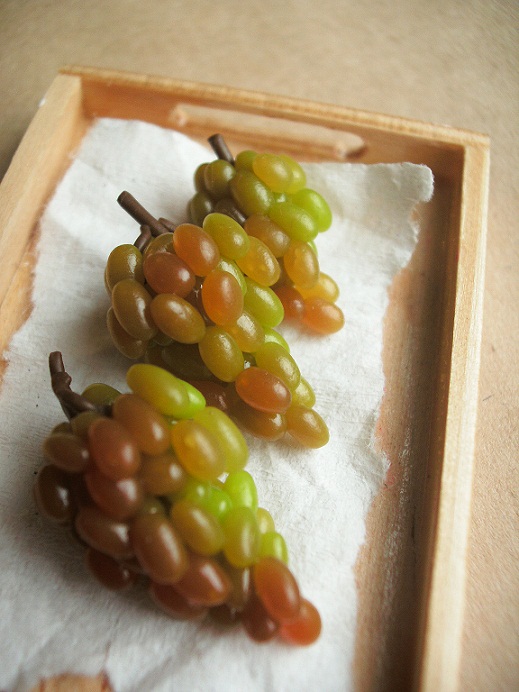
267,194
152,483
198,301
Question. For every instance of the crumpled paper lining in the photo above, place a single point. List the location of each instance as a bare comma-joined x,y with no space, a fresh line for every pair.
54,617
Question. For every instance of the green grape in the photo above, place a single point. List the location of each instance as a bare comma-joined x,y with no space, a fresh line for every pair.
247,332
217,176
250,194
100,394
242,538
294,220
241,488
233,242
265,520
273,545
197,449
316,206
273,336
199,529
229,436
276,359
124,262
221,354
244,160
304,394
199,207
163,390
298,174
227,265
263,303
273,171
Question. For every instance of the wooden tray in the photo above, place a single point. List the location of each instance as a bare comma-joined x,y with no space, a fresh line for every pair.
411,572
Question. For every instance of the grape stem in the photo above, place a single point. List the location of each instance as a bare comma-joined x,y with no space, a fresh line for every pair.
71,402
220,148
140,214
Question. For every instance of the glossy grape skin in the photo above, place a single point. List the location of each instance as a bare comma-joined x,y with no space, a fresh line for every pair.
124,262
244,160
204,583
159,244
241,488
273,171
277,589
307,426
217,176
197,248
131,305
250,194
200,205
113,450
278,361
168,599
148,427
295,221
298,181
262,227
199,528
315,204
247,331
304,394
273,545
259,263
222,297
292,301
127,345
162,474
230,438
53,494
230,237
268,426
265,520
325,288
198,450
242,538
230,266
263,303
103,533
273,336
177,318
117,499
161,389
67,452
221,354
100,394
159,548
214,393
110,573
301,264
305,628
263,390
322,316
165,272
258,624
183,360
81,423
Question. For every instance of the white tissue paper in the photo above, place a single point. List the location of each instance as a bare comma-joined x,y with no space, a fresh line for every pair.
53,617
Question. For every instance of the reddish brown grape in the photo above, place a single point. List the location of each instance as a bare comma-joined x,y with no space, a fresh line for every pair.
305,628
114,451
53,494
167,273
262,390
159,548
277,589
109,572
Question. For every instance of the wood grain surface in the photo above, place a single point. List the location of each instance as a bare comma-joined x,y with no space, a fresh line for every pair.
450,62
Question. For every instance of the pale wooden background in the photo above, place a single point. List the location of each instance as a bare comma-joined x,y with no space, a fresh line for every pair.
450,62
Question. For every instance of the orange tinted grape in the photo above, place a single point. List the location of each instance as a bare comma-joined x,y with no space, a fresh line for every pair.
301,264
101,532
159,548
66,451
198,450
148,428
263,390
109,572
268,426
162,474
197,248
322,316
325,288
222,297
53,494
259,263
167,273
258,624
304,628
263,228
113,450
292,301
174,604
177,318
277,589
204,583
247,332
117,499
307,426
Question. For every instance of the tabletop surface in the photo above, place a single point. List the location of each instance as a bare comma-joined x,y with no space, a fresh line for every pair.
450,62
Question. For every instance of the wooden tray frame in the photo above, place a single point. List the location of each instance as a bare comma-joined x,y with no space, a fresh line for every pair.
451,258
